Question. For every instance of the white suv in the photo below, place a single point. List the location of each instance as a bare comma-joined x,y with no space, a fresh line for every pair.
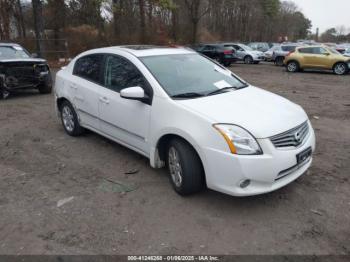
182,110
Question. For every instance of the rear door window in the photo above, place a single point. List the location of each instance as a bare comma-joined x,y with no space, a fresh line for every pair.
307,50
89,67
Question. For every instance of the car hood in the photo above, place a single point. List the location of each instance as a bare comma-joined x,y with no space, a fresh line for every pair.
262,113
30,60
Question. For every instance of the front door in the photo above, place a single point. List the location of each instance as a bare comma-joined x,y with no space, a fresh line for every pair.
126,121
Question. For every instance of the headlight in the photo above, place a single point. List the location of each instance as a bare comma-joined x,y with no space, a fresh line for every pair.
239,140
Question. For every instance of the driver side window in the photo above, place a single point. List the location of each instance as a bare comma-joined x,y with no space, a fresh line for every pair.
120,73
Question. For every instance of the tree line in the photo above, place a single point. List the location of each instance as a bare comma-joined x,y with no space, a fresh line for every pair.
91,23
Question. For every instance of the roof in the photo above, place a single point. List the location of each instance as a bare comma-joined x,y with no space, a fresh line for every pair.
148,50
9,44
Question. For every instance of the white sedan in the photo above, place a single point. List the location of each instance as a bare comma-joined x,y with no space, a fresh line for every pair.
184,111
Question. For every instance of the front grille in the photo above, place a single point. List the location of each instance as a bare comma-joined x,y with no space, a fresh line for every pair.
292,138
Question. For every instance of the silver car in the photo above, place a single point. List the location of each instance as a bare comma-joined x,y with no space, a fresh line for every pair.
280,53
259,46
246,54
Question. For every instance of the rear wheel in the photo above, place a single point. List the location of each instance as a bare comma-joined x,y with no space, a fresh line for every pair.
340,69
70,120
227,63
248,59
185,168
279,61
293,66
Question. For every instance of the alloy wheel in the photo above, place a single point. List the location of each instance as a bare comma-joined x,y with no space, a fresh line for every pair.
175,168
292,67
68,118
340,69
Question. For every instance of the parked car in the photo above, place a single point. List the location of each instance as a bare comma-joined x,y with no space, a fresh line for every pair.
222,54
341,48
259,46
18,71
279,54
269,53
347,52
317,57
246,54
182,110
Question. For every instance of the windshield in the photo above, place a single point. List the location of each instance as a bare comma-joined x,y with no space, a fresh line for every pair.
190,73
247,48
12,52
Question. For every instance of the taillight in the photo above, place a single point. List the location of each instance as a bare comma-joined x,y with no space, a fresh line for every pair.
291,52
228,52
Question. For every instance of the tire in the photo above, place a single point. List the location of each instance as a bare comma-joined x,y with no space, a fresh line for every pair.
186,172
45,89
293,67
248,59
279,61
340,69
227,64
69,120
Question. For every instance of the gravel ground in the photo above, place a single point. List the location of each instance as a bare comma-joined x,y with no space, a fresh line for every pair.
61,195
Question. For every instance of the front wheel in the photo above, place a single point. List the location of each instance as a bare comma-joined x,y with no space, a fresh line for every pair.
292,67
185,168
45,89
227,64
340,69
70,120
248,59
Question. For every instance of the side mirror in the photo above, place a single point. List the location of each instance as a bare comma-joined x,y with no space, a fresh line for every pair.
134,93
35,55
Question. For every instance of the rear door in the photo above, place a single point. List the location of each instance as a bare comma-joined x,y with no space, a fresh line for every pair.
308,57
126,121
85,85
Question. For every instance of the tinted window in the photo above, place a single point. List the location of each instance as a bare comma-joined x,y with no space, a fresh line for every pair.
209,48
288,48
308,50
89,67
120,74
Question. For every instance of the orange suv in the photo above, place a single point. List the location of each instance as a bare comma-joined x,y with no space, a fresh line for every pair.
317,57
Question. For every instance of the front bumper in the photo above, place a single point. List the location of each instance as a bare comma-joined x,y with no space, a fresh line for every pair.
225,172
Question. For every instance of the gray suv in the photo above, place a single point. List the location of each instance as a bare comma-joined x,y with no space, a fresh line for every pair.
281,52
246,54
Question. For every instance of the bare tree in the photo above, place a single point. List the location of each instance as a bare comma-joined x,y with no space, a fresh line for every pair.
196,9
38,24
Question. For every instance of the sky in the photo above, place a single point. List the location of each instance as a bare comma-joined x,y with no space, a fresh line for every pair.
326,14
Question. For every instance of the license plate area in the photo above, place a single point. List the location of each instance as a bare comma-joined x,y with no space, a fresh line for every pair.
304,156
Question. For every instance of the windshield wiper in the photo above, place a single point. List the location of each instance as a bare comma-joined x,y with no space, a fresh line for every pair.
188,95
221,90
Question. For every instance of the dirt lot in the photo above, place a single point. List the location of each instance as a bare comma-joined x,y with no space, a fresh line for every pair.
40,165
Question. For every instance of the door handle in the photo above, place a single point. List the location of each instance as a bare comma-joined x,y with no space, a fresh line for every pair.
104,100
